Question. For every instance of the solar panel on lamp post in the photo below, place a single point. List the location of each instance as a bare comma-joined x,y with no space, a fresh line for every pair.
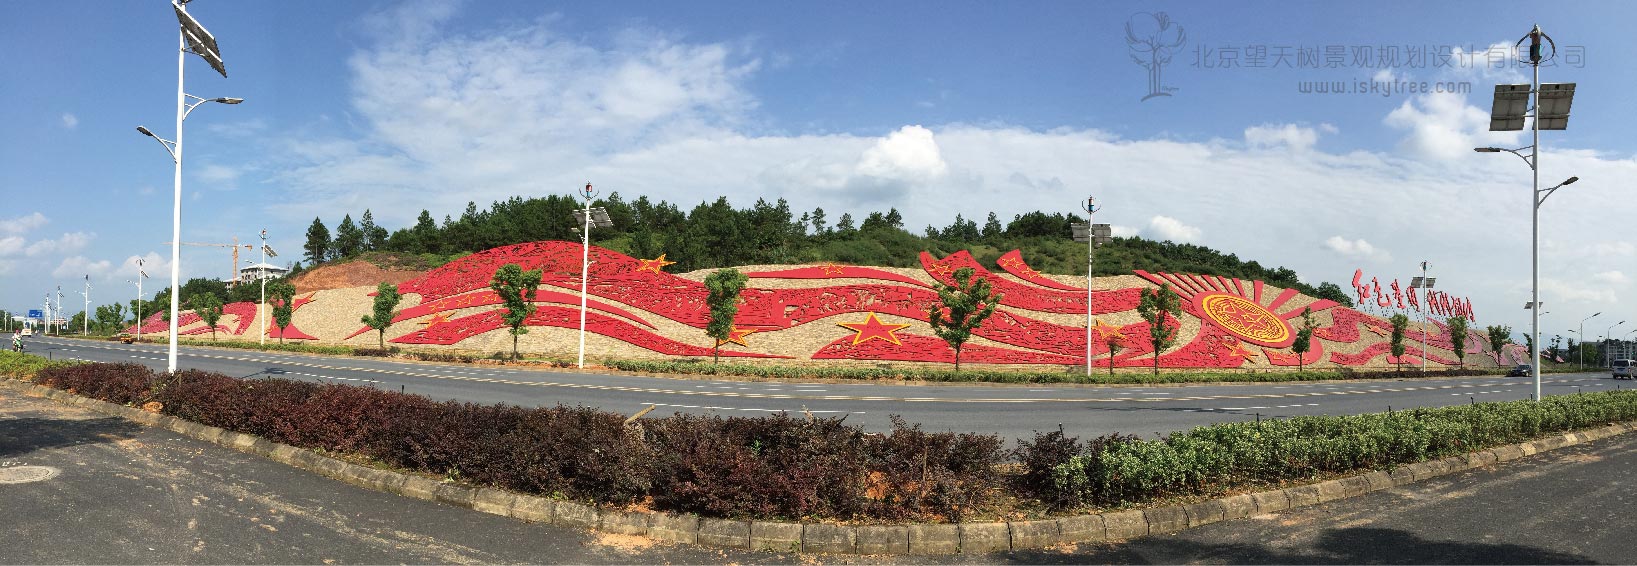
591,217
1551,112
193,38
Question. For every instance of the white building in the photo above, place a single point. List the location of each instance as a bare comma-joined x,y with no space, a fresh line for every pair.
258,271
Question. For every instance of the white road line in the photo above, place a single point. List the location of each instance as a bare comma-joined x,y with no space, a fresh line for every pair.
715,408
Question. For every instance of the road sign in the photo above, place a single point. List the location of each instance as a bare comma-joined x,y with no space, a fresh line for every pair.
36,313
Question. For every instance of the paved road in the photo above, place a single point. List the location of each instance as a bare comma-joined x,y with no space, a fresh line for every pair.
129,494
1011,411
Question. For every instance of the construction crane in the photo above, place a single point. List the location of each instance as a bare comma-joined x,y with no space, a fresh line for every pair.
234,282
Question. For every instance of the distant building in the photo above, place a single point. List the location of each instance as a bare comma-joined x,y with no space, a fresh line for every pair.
260,271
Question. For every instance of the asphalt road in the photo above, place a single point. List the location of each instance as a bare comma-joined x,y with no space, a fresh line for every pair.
1013,411
127,494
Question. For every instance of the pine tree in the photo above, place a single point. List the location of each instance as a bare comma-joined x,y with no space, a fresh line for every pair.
375,237
318,242
961,308
349,239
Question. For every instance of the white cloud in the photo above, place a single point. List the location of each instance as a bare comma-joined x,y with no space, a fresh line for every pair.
529,111
909,154
224,177
79,266
68,243
11,245
1299,138
70,121
1167,228
23,223
1121,231
1611,277
1574,292
1357,249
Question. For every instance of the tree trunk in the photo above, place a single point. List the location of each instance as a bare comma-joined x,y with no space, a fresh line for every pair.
514,347
957,358
1156,362
381,338
716,353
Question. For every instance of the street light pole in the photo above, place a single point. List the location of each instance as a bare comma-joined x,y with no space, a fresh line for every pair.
1582,333
588,218
1091,209
191,37
86,319
261,319
1608,348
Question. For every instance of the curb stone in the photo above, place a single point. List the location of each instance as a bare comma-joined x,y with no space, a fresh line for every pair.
926,539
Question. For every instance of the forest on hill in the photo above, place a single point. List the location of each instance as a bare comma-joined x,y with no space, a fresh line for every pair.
715,234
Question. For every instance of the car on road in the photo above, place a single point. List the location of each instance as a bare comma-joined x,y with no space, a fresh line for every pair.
27,331
1623,368
126,338
1520,370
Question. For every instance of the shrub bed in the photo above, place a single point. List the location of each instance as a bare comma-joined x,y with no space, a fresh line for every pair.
1208,460
779,467
766,467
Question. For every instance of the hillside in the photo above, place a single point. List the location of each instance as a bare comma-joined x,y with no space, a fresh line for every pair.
835,314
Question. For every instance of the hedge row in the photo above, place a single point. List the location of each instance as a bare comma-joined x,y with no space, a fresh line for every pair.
767,467
779,467
1116,470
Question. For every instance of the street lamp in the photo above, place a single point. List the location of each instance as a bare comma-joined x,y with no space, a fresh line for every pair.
1608,348
1423,282
266,251
1582,333
195,39
591,218
1093,235
1551,112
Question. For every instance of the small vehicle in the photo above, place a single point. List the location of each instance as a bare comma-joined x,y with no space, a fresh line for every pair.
27,331
1623,369
126,338
1521,370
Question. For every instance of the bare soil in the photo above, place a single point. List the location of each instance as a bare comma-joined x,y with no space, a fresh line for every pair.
356,273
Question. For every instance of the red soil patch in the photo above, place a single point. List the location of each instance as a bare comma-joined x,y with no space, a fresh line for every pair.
350,274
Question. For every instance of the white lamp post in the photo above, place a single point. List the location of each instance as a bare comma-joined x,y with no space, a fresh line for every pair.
1423,282
266,251
194,38
1582,334
86,320
1551,112
1093,235
590,218
1608,348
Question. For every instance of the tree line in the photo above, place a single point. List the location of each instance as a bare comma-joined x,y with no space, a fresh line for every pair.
715,234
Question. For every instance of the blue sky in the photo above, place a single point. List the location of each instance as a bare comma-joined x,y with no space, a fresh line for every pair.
400,106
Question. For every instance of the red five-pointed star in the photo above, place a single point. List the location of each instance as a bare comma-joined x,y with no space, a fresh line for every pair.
873,328
737,336
654,265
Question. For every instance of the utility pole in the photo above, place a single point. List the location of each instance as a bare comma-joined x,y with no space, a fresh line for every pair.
86,331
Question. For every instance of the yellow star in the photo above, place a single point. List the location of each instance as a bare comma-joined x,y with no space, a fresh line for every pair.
1107,331
1011,262
873,328
941,269
655,265
832,269
435,320
1244,353
737,336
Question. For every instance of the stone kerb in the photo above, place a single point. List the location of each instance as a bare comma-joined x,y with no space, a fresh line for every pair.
916,539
